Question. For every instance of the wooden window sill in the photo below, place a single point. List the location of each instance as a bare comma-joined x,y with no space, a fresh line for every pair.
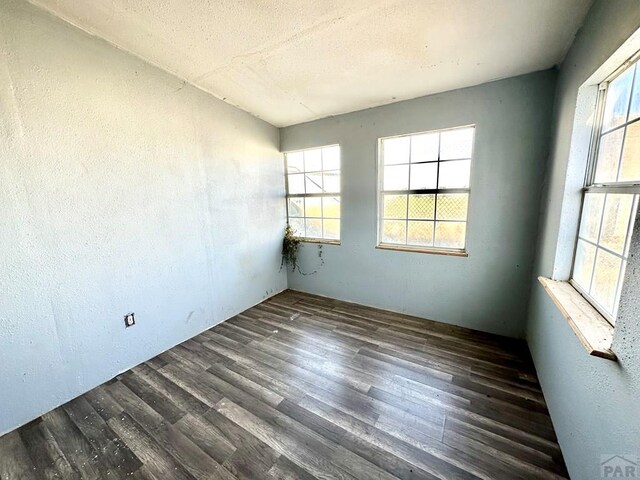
591,328
320,240
435,251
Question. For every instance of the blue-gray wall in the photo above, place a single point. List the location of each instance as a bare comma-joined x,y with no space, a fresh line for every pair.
488,290
121,189
594,403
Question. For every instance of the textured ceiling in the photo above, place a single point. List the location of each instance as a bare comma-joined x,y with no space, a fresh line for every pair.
291,61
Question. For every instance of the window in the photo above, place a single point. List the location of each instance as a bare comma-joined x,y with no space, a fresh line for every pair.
611,193
424,189
313,193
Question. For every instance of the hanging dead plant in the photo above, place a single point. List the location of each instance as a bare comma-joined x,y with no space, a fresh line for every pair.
290,246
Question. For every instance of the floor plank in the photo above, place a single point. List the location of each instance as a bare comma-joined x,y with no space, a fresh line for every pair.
306,387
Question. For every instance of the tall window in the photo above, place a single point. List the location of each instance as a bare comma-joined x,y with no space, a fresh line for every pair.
424,189
313,193
611,193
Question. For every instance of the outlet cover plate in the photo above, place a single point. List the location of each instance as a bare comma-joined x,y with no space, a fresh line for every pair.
129,320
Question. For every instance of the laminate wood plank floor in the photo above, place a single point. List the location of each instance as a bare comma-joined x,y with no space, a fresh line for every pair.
305,387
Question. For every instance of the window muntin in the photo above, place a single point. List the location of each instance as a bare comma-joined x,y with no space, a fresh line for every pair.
424,189
611,194
313,192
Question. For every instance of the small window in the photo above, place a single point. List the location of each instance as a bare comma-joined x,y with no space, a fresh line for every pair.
313,193
610,199
424,189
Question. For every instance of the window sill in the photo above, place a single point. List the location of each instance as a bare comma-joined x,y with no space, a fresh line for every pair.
591,328
320,240
434,251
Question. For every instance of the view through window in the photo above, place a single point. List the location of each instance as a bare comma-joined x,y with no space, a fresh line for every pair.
424,189
610,195
313,193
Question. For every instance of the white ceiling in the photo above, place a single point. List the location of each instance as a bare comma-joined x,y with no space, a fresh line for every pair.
291,61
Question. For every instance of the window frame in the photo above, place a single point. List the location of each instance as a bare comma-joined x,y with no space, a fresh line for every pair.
380,192
590,186
330,241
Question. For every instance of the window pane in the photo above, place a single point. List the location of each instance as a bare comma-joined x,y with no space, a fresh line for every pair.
609,156
450,234
396,178
605,279
331,181
394,231
312,160
331,158
313,182
635,98
630,168
591,216
617,210
454,174
422,206
313,207
297,225
296,183
331,207
424,148
396,150
425,219
456,143
583,266
617,102
395,206
295,163
313,227
424,176
331,229
452,206
320,169
296,207
420,233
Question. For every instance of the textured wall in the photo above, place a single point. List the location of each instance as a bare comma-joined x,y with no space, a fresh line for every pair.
489,290
594,403
121,189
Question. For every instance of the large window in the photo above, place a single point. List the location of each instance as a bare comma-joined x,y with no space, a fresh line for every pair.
313,193
424,189
611,193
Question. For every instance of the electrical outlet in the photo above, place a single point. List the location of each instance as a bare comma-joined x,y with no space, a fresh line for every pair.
129,320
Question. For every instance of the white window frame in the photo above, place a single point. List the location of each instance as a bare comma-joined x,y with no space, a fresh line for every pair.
288,195
590,186
380,196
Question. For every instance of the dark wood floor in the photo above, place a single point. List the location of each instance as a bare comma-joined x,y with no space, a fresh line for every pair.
303,387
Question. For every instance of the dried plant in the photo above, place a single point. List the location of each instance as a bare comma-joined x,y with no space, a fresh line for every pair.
290,246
